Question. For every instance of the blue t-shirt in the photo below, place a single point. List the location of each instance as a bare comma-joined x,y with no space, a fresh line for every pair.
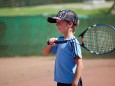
65,65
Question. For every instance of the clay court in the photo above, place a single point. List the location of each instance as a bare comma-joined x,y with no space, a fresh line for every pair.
38,71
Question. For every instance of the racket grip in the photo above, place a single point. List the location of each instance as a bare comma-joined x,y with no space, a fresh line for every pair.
58,42
48,43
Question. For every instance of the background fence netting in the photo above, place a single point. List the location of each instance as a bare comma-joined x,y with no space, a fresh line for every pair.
27,35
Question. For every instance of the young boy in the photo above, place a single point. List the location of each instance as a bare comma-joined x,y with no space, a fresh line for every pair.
68,62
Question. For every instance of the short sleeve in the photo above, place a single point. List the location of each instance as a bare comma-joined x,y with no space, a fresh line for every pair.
76,48
54,49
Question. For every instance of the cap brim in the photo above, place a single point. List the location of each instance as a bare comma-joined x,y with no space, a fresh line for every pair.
53,19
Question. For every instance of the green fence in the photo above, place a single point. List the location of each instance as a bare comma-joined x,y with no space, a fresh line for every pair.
27,35
22,3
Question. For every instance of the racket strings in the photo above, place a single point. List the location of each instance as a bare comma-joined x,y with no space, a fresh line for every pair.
100,39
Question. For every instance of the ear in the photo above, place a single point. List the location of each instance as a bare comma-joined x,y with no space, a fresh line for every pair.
77,23
70,24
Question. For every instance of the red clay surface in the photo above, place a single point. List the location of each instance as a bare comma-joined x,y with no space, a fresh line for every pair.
38,71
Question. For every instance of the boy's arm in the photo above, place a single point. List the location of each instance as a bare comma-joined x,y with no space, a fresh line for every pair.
78,71
47,49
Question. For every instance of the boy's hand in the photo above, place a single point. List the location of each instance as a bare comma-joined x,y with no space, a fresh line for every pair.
51,41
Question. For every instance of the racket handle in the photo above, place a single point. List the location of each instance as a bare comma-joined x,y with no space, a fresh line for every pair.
58,42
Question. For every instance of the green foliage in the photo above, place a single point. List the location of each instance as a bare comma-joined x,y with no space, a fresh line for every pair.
47,10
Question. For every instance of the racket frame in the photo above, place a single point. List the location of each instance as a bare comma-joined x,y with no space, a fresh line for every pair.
82,38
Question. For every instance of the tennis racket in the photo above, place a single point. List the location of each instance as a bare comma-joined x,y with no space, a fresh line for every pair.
97,39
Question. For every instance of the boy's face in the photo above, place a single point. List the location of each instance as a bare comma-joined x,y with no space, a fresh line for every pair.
62,26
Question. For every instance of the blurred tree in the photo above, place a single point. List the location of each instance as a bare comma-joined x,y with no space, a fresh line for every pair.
112,8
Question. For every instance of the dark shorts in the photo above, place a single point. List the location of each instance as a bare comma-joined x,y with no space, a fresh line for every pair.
64,84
